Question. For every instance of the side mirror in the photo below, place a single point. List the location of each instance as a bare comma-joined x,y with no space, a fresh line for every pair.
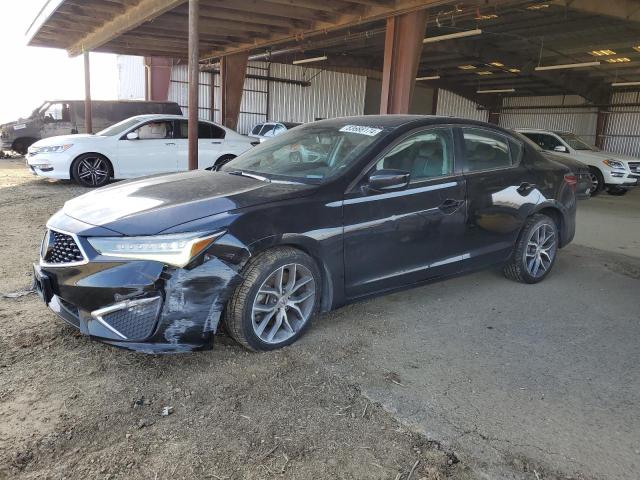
132,136
387,180
561,149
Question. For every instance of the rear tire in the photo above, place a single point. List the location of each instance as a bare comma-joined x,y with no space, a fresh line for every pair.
91,170
276,301
597,181
535,252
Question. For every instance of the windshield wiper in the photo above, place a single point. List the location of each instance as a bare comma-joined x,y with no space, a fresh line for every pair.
250,175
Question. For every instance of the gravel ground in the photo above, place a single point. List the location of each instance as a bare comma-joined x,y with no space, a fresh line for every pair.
75,409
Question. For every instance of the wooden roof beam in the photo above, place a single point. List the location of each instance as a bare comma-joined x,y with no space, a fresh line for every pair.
134,16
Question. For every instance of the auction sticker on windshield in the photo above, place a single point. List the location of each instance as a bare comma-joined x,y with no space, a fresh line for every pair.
369,131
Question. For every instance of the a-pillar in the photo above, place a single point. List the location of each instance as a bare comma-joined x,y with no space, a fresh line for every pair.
402,50
233,69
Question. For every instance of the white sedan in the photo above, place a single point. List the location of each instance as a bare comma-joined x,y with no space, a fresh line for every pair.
138,146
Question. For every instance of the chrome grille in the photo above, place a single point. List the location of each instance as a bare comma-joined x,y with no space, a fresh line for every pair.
60,249
634,167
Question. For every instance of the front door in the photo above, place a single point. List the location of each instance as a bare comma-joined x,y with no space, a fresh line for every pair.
153,151
500,193
406,236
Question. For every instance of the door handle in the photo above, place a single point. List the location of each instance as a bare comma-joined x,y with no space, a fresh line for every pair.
526,188
450,205
169,143
216,143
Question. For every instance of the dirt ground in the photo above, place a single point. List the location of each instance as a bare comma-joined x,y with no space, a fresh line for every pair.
76,409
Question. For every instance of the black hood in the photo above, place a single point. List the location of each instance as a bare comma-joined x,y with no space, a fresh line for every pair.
151,205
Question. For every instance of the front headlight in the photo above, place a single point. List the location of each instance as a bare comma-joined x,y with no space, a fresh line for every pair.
176,249
614,163
53,148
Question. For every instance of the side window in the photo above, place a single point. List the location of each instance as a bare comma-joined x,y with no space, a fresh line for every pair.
57,112
256,129
267,131
204,130
485,150
425,154
278,130
183,129
155,130
546,142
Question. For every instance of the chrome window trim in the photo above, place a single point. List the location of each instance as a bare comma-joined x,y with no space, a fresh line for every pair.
70,264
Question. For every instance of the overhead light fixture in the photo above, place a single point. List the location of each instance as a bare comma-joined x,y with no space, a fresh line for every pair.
309,60
602,53
452,36
568,65
497,64
637,48
618,60
514,70
625,84
467,67
539,6
488,16
500,90
485,72
432,77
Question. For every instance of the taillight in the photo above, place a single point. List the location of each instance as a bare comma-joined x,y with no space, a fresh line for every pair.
571,180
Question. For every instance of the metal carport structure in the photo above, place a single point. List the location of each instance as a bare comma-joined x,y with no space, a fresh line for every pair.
482,50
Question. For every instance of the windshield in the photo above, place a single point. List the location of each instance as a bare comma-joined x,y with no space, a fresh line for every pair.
119,127
310,154
575,142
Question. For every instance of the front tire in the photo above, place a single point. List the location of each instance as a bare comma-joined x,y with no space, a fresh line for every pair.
597,181
274,304
91,170
535,252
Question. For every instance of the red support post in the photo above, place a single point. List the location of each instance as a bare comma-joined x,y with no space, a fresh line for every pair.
402,50
233,70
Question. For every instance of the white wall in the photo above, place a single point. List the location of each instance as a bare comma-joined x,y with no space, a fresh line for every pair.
131,77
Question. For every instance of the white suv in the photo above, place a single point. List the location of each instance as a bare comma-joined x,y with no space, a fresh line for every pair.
611,171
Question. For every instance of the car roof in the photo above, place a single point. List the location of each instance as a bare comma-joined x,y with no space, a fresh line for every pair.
541,130
163,116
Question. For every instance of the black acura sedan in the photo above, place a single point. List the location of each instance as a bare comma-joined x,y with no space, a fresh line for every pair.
320,216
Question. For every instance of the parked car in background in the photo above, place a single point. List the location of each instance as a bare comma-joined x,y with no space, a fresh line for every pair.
266,242
65,117
267,130
579,169
135,147
611,171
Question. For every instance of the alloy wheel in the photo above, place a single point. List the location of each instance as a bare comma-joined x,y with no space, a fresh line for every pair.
93,171
541,250
283,304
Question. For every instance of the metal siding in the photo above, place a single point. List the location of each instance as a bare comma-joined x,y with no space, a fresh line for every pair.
581,121
623,126
131,77
330,95
452,105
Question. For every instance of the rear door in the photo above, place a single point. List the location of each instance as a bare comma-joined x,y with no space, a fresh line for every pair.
406,236
500,193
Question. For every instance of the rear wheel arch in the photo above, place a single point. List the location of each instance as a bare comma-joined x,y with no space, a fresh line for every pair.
558,217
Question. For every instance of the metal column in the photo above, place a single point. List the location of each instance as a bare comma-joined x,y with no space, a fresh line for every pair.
194,73
402,49
88,124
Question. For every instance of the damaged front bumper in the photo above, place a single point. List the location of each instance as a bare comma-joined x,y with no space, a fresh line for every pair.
143,306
